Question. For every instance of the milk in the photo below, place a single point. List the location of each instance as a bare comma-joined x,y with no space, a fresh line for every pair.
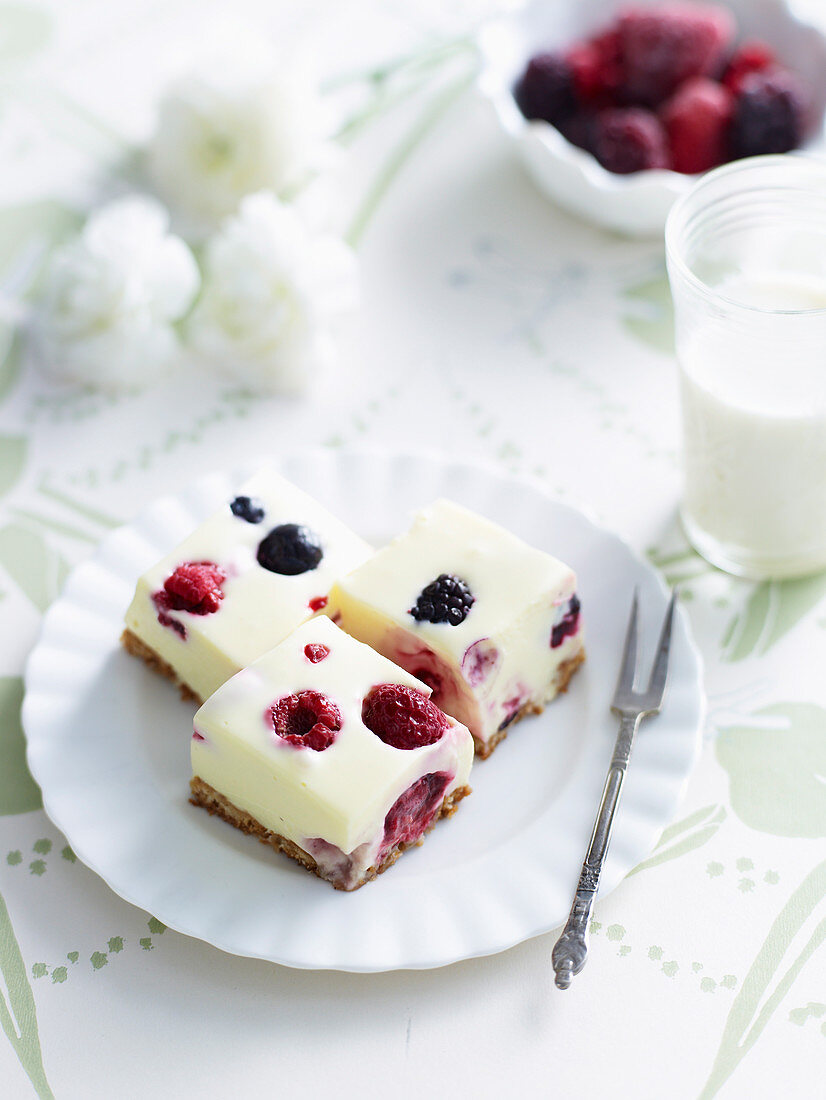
754,421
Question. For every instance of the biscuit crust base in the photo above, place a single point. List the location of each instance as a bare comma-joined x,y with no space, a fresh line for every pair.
132,644
215,803
563,678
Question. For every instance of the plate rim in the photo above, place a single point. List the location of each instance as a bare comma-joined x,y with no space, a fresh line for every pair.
303,457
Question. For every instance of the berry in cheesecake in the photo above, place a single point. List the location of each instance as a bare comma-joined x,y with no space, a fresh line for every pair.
341,764
445,600
509,599
209,608
290,549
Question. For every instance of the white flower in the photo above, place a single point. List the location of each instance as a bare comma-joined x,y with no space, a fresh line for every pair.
110,299
224,136
272,287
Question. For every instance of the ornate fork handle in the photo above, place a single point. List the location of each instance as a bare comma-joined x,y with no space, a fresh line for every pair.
571,949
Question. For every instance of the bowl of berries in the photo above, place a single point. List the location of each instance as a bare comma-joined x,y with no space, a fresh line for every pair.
616,107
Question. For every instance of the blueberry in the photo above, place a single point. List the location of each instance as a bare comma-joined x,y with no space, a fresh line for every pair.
448,599
290,549
248,508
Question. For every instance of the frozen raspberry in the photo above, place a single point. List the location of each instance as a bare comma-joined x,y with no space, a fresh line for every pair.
195,586
769,114
306,720
413,812
546,89
247,508
445,600
664,45
596,65
402,717
290,549
751,57
697,120
315,652
630,139
568,624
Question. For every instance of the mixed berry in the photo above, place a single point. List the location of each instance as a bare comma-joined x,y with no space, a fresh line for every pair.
306,720
479,661
402,717
413,812
665,87
315,652
568,624
195,586
448,599
290,549
248,508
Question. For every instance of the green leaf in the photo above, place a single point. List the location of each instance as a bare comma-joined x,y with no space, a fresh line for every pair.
12,460
684,836
18,1015
776,770
19,794
762,991
34,566
773,609
25,30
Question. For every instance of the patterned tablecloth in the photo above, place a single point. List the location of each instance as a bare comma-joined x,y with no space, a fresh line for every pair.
492,326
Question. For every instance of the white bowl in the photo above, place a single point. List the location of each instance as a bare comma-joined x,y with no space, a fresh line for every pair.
637,204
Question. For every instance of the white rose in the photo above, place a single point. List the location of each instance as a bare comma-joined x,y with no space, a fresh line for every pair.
221,137
272,288
110,299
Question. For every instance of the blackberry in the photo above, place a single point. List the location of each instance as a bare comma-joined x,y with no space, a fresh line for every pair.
445,600
769,114
290,549
546,89
247,508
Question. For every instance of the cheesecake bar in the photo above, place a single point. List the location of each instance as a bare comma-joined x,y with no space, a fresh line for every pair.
330,753
255,570
491,624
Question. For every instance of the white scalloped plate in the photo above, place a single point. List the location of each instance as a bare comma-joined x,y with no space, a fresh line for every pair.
108,742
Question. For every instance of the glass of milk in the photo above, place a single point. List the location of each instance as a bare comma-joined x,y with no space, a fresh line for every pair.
746,251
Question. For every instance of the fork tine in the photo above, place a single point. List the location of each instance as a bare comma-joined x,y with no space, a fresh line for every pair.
625,683
659,673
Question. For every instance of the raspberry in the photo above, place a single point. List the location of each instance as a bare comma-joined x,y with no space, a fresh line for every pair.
665,45
247,508
445,600
290,549
546,89
402,717
412,813
751,57
315,652
195,586
568,624
317,602
769,114
630,139
596,66
306,720
697,121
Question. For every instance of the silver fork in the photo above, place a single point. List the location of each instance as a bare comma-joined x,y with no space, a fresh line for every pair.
631,704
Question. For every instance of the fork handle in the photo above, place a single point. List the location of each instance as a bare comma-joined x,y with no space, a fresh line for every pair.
571,949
